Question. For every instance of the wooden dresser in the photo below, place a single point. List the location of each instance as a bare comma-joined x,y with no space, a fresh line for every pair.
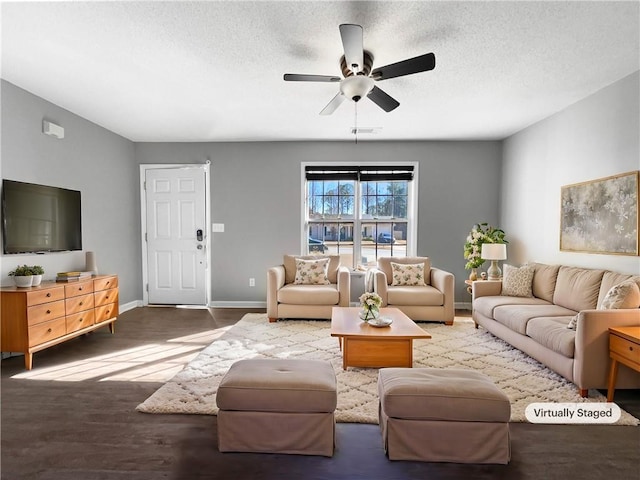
36,318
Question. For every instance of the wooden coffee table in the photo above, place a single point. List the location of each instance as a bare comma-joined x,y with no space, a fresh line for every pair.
365,346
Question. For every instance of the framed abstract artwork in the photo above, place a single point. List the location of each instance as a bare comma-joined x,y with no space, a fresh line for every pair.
601,216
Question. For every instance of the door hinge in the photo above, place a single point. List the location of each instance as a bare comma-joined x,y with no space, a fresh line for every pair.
147,287
145,237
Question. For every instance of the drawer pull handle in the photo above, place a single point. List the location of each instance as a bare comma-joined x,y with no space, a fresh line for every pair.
48,312
107,297
631,349
80,289
81,320
48,330
48,294
81,303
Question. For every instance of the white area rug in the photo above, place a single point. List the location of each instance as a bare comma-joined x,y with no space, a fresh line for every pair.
523,379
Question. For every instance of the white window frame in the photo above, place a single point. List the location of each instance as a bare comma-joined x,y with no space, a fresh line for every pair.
412,208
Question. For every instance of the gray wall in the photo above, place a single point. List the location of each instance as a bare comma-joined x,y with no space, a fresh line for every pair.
256,193
91,159
594,138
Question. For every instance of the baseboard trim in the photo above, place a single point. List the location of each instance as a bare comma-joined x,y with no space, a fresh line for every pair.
125,307
237,304
462,305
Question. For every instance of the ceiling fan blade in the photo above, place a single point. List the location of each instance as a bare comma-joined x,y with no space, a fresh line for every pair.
294,77
382,99
352,44
419,64
333,104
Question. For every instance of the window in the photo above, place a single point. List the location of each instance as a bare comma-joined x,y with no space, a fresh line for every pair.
360,212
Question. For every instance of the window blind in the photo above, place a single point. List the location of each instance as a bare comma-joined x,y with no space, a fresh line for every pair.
364,173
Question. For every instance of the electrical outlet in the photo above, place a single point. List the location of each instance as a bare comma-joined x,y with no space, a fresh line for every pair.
252,282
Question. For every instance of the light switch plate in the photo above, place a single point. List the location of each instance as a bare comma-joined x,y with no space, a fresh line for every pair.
217,227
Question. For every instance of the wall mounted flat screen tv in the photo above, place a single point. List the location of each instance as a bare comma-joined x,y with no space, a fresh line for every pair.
40,218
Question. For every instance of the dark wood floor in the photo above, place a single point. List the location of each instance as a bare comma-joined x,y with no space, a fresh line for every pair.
73,417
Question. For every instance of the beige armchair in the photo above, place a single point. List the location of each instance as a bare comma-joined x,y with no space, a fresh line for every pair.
434,301
285,299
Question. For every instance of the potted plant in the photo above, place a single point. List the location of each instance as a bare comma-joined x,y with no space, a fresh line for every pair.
480,233
22,276
36,271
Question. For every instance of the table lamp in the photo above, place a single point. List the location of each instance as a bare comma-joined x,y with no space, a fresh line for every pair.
494,252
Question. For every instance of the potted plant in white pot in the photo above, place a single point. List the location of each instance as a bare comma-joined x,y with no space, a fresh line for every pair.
22,276
36,271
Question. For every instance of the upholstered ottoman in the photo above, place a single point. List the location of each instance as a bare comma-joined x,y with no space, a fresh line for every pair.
277,406
442,415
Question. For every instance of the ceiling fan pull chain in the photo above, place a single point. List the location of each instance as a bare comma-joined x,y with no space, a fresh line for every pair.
356,122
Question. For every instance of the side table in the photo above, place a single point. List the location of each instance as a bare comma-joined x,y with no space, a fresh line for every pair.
624,347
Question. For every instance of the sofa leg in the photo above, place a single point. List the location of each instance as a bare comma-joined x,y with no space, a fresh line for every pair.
272,320
584,392
449,323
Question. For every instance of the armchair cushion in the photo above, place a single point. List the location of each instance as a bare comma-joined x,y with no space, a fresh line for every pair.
410,295
293,294
311,272
290,266
384,264
411,274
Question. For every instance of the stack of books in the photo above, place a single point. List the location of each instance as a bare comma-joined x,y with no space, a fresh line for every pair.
72,276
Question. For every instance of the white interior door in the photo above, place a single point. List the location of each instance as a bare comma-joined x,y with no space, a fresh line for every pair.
176,235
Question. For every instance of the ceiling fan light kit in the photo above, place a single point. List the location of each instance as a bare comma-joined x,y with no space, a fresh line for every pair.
359,79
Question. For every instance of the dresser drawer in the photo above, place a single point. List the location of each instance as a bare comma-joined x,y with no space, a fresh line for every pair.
36,297
81,320
78,304
106,312
44,332
105,283
79,288
45,312
625,348
106,296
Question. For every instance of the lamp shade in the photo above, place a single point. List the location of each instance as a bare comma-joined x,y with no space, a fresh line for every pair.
493,251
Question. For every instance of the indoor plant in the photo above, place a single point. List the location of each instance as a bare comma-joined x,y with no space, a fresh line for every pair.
480,233
22,276
370,303
36,271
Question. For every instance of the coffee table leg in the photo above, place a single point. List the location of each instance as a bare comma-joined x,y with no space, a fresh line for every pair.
344,353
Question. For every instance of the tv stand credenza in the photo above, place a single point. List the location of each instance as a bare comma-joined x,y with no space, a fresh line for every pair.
35,318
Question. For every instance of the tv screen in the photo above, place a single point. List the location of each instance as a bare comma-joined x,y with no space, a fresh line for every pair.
39,218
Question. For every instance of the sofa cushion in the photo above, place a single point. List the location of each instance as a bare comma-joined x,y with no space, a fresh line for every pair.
426,295
309,294
544,280
411,274
384,264
611,279
516,281
517,317
577,288
289,263
312,272
487,305
552,332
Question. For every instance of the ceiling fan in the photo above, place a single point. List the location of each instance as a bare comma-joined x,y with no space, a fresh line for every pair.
359,79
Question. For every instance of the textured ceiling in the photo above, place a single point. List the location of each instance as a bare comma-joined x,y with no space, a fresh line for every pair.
212,71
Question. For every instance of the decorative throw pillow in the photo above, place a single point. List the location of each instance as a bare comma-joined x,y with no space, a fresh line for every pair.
407,274
622,295
573,323
516,281
312,272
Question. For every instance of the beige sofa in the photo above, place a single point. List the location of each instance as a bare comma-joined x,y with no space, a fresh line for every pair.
431,302
288,300
537,325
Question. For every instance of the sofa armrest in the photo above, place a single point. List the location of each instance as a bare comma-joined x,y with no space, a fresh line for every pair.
485,288
344,286
275,281
380,285
445,282
592,343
